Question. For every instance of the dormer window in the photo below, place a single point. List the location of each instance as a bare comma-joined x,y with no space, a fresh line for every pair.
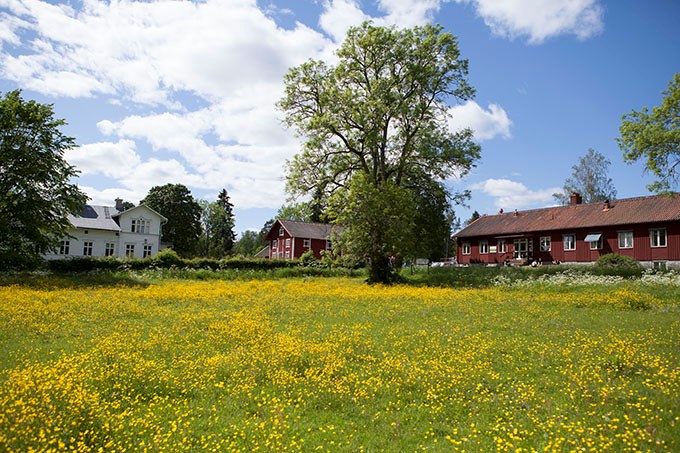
140,225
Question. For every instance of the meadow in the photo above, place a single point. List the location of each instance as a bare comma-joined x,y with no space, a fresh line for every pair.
556,363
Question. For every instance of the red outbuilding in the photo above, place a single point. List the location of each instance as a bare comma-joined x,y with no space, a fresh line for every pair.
645,228
289,239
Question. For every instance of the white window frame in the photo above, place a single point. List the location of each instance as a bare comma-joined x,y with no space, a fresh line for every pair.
64,247
306,243
87,248
656,239
571,242
287,243
329,245
625,235
483,247
110,249
502,246
521,246
274,244
281,231
545,244
147,250
465,247
129,250
599,244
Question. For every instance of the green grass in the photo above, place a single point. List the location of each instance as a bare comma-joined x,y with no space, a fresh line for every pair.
336,365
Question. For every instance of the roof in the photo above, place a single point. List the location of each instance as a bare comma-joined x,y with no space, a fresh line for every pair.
96,218
652,209
264,253
306,230
163,218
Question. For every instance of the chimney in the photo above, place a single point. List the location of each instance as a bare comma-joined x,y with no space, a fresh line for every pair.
606,205
119,204
516,213
500,211
575,198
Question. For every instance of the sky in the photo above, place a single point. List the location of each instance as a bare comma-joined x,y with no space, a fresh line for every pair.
158,92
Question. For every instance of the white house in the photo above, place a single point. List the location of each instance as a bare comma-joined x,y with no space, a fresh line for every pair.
110,231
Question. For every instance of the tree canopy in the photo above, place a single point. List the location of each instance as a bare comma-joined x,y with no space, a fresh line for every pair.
35,190
218,225
590,178
380,115
655,137
183,227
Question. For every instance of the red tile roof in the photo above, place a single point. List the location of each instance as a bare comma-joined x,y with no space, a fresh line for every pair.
653,209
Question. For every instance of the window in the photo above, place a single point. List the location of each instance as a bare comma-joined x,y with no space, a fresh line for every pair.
274,244
306,243
625,239
109,249
288,243
569,241
147,251
465,246
87,248
545,244
281,231
657,237
483,247
502,246
140,225
130,250
521,248
64,247
329,246
595,240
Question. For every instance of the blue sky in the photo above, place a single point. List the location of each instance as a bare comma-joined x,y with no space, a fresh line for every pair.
182,92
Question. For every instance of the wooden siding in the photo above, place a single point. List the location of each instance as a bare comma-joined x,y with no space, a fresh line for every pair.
641,250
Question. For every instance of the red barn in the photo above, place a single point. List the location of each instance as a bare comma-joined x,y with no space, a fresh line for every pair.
289,239
645,228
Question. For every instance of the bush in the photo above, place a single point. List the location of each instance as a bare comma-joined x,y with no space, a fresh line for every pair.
167,258
614,264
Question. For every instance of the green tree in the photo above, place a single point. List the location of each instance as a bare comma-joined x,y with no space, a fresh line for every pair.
223,224
655,137
380,113
35,193
589,178
183,228
475,215
248,244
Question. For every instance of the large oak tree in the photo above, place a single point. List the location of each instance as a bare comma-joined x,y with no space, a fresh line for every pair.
655,137
372,124
36,194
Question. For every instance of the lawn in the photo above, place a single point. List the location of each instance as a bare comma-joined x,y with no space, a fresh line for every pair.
332,364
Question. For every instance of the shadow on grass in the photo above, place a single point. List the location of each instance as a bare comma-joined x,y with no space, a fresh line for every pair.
42,280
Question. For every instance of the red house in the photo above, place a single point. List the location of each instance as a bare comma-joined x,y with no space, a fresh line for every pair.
289,239
645,228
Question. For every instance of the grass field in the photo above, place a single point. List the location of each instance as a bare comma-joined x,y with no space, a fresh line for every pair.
331,364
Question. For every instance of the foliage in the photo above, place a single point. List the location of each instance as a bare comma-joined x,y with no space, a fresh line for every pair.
249,244
655,137
306,211
614,260
380,113
35,193
217,220
589,179
475,215
307,258
335,365
183,228
378,223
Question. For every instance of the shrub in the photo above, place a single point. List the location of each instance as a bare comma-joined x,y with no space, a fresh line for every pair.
614,264
167,258
307,258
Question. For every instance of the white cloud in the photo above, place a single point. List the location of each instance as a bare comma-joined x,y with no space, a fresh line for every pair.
486,124
515,195
106,158
340,15
541,19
